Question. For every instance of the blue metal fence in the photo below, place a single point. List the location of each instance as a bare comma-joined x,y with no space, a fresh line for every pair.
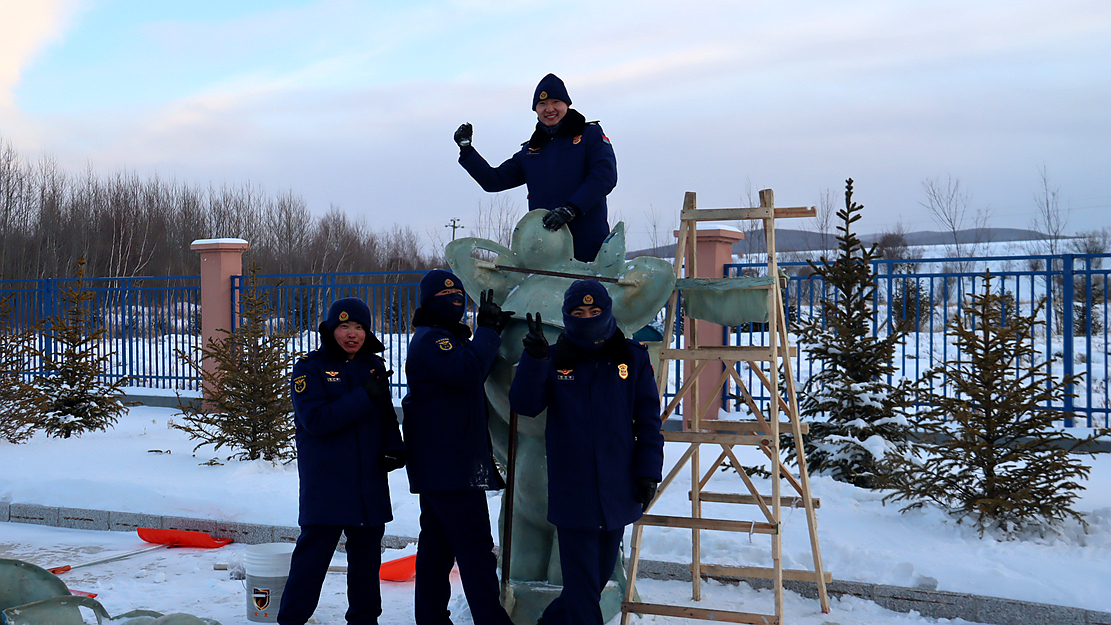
146,321
300,302
923,296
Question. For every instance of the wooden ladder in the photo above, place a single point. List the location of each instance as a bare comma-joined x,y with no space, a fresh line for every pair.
763,432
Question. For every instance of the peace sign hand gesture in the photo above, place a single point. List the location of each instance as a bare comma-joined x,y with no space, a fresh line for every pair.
535,343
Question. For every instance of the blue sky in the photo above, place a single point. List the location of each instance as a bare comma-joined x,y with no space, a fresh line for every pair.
353,104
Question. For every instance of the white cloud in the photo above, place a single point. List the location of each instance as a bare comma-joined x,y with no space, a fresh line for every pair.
26,29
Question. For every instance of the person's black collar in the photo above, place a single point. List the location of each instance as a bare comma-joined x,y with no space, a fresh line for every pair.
426,317
571,125
371,345
565,354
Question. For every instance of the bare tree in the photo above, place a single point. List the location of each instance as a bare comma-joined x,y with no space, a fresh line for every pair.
1049,218
950,207
753,229
660,231
496,218
823,221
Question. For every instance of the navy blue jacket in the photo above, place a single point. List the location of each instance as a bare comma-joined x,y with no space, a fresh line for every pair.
576,168
603,429
447,446
341,434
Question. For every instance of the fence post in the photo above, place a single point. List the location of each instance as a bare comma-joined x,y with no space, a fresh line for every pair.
47,297
1067,331
220,260
715,250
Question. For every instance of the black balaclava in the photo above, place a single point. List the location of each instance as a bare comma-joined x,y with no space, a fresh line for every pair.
450,307
591,333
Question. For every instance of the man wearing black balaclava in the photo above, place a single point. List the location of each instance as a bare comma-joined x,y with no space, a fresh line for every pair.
604,447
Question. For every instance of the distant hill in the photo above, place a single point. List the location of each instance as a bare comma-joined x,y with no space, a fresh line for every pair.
787,240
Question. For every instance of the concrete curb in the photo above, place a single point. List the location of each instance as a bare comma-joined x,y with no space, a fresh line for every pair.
929,603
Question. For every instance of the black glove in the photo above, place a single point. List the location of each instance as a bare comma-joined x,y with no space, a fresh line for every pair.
391,460
378,384
490,315
646,490
556,217
463,137
536,345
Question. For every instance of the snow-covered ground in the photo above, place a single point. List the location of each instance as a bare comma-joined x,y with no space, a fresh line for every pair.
143,465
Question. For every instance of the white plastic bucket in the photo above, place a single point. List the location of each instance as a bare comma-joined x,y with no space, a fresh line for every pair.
267,569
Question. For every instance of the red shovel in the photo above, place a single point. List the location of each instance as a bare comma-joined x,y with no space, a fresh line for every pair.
400,570
164,538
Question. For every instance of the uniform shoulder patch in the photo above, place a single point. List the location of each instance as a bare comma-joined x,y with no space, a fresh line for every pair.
299,384
606,140
445,344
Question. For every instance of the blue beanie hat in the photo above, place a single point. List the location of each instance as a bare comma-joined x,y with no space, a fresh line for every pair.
348,309
550,87
435,281
586,293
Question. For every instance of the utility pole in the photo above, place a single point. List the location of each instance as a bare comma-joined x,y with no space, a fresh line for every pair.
454,225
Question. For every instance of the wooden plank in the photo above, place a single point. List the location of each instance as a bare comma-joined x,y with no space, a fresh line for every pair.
759,572
704,614
750,500
715,438
733,214
719,525
791,212
722,214
726,354
750,426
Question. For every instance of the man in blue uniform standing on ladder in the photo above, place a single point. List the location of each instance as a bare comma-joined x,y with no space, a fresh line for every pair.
568,165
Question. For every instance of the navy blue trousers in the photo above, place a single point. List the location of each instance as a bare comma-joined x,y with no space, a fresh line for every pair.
307,570
455,527
587,558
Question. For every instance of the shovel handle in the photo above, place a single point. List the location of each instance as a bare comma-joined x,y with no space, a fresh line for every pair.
119,556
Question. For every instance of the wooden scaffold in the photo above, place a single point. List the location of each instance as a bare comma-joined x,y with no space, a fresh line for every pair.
763,432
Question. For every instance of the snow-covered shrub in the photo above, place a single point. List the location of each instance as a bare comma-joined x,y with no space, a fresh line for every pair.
855,416
75,392
991,451
247,406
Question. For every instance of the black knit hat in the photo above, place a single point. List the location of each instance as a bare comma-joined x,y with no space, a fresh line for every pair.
348,309
435,281
586,293
550,87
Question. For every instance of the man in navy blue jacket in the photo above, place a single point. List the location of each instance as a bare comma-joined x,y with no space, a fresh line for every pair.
604,447
568,165
347,440
450,462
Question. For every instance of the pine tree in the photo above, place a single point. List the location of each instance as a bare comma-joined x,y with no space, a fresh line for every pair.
75,390
991,451
248,407
20,406
855,415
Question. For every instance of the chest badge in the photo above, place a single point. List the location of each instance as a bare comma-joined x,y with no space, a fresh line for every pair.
333,376
623,371
445,344
565,374
299,384
576,140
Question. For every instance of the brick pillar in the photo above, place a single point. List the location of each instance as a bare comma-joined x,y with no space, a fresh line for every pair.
715,249
220,260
